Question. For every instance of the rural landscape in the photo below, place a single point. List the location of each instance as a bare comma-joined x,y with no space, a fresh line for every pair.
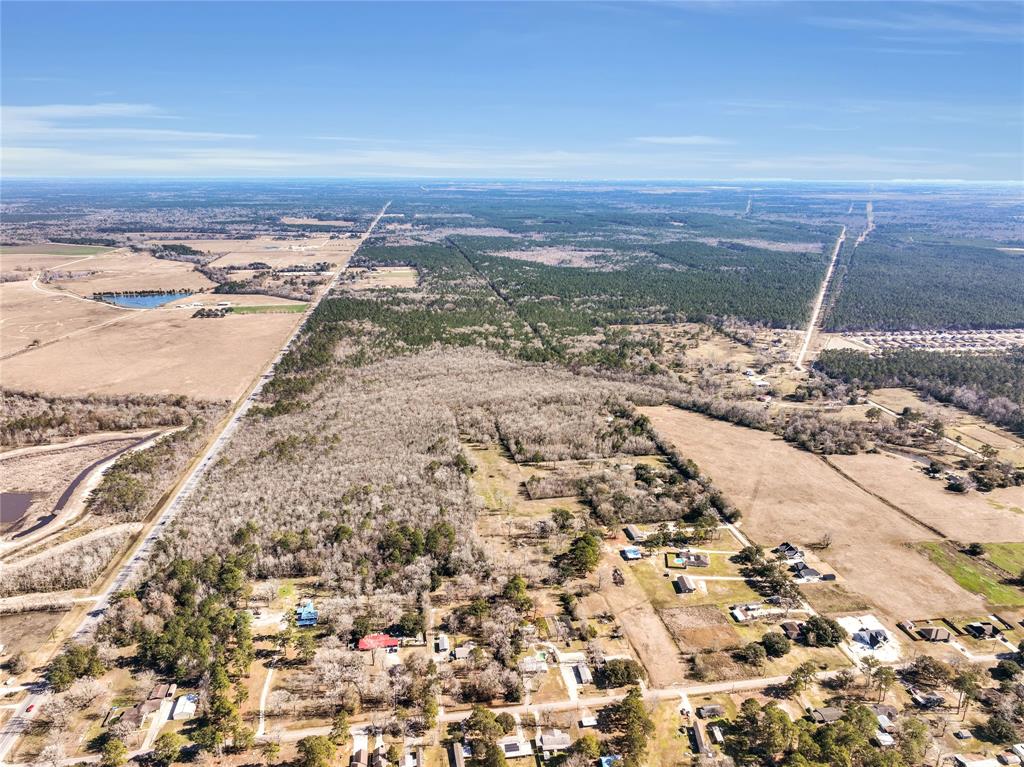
619,383
493,474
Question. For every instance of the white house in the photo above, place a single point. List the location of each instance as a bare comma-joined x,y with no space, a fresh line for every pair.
185,707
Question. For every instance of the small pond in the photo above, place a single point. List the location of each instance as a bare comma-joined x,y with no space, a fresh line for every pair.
141,301
14,505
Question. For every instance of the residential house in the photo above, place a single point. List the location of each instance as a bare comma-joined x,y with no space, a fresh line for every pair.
934,634
462,652
531,664
554,741
685,584
377,642
827,715
793,630
633,533
983,630
441,643
883,739
588,720
306,615
514,747
872,638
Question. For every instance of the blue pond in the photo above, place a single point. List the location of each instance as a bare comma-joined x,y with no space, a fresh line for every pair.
144,302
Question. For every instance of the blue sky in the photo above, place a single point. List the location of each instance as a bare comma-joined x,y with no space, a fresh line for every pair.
831,90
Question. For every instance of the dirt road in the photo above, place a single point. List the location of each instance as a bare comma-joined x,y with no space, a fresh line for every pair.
812,325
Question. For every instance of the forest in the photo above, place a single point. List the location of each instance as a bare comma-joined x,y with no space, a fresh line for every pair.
892,281
991,386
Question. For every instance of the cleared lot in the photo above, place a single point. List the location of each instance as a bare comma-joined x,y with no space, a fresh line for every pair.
974,516
785,493
30,315
276,253
123,270
162,351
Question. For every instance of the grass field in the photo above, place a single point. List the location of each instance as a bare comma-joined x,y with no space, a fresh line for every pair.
54,249
970,576
280,309
1007,556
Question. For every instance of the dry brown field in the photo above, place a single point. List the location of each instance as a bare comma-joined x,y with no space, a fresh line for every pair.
700,627
122,270
788,494
644,629
294,221
275,252
385,277
28,314
32,262
984,517
159,351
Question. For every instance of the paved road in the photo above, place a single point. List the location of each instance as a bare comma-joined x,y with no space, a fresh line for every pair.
139,556
816,312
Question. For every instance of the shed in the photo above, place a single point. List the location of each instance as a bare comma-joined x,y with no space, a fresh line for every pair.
582,673
588,720
442,643
633,533
185,707
883,739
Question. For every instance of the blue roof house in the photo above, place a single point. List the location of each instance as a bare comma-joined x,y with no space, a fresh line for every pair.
306,615
610,761
631,553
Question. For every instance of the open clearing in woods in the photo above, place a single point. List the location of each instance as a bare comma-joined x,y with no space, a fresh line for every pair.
273,252
788,494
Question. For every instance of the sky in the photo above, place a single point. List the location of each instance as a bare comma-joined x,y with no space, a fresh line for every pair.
580,90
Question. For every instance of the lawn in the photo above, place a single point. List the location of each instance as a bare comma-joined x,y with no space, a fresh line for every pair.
969,575
1007,556
270,309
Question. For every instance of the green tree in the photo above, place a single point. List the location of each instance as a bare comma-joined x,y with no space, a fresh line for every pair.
800,678
913,739
115,753
316,751
620,672
493,756
77,661
483,724
339,728
587,745
820,631
270,751
885,678
753,654
506,721
305,645
776,644
167,748
583,555
562,518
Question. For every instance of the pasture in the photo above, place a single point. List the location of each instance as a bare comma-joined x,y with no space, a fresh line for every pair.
787,494
160,351
123,270
34,316
276,253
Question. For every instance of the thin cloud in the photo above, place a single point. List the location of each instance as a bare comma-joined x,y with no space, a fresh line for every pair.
683,140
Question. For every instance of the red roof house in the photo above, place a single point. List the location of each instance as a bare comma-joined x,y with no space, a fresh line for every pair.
377,641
